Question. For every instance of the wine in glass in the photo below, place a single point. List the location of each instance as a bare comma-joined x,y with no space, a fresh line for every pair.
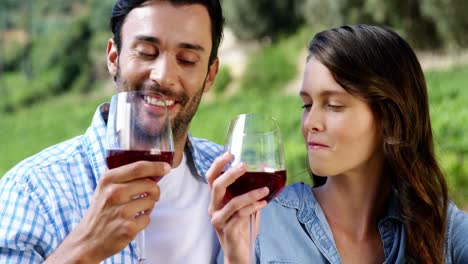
255,140
138,128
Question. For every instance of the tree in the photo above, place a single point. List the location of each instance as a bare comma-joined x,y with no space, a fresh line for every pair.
450,19
262,18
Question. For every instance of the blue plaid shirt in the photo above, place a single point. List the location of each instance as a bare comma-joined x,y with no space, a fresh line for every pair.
45,196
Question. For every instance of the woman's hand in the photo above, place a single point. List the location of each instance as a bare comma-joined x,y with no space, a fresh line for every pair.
231,218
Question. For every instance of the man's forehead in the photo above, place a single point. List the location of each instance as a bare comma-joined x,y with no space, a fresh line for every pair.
156,18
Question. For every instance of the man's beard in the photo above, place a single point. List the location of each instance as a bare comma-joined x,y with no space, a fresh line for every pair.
181,122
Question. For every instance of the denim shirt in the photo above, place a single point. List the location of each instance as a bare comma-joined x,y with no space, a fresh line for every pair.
294,229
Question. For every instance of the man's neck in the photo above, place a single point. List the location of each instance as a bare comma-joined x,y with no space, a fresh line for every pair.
179,148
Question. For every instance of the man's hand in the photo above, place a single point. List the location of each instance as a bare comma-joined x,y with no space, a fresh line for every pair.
111,221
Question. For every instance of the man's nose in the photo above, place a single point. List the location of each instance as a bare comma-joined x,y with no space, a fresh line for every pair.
164,71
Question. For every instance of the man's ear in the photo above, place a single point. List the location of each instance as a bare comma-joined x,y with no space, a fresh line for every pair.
112,58
211,76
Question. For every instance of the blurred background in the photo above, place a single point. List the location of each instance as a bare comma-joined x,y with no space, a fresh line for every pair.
53,73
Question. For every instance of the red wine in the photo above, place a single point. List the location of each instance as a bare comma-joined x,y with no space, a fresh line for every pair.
116,157
275,182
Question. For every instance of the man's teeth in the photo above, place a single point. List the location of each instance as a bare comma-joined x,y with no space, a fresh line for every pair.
157,102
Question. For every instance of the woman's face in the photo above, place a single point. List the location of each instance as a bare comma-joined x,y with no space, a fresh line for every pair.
340,130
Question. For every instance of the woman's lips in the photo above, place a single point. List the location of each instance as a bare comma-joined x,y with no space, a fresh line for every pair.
316,145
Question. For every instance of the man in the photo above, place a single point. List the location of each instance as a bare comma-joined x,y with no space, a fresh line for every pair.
64,206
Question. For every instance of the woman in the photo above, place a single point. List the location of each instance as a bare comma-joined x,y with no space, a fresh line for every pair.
367,130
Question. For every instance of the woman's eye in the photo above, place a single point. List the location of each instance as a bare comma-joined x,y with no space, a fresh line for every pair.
306,106
335,107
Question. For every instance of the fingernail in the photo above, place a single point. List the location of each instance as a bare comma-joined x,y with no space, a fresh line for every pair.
240,165
167,167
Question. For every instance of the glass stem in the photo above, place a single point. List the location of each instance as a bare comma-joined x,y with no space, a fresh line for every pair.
140,240
252,240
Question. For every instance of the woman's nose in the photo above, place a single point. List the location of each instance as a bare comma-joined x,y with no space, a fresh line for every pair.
314,120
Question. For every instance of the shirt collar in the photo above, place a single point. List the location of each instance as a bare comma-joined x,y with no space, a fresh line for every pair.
300,197
393,207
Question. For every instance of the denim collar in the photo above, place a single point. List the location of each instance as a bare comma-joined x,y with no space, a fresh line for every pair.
300,197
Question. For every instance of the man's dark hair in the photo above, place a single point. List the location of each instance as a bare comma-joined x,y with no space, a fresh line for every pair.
123,7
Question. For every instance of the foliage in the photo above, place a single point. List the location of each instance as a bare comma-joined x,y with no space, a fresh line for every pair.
450,19
223,79
407,16
58,48
404,16
100,13
55,63
271,68
449,121
425,24
12,53
326,14
261,18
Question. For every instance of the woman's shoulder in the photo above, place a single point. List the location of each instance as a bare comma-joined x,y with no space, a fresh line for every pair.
296,203
457,239
286,229
294,196
457,219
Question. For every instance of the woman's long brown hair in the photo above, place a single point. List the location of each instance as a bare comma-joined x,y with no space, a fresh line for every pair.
377,65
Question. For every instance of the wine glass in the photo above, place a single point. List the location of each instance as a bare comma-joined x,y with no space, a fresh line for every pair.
255,140
138,128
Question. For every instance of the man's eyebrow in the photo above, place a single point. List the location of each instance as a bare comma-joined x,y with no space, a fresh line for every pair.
181,45
148,39
191,46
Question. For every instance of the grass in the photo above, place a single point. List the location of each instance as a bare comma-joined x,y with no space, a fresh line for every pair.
448,95
29,130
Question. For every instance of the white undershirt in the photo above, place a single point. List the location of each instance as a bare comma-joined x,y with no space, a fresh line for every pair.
180,230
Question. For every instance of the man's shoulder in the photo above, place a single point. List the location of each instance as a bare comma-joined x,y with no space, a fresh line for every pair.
203,152
56,154
205,142
206,147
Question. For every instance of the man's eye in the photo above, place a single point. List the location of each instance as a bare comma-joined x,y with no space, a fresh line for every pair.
187,62
146,55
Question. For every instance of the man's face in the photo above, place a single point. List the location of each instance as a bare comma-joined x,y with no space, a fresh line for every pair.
166,48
